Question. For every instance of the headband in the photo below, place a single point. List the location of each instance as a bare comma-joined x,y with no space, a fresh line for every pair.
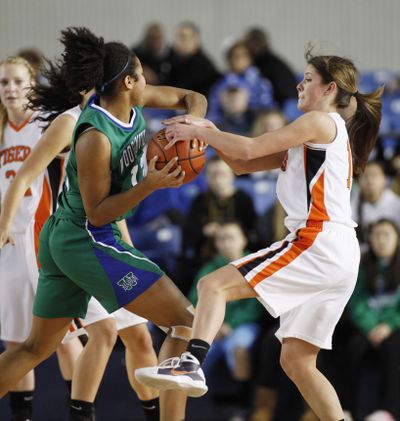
116,76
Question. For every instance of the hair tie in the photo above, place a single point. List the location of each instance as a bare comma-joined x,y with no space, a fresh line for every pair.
101,90
355,93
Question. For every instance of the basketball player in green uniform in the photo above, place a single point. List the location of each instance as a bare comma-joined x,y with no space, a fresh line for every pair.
81,251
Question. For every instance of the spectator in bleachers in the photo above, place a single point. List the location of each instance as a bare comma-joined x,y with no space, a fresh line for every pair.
374,199
234,113
36,59
154,54
396,179
241,72
190,66
241,325
271,226
271,66
221,201
375,310
267,121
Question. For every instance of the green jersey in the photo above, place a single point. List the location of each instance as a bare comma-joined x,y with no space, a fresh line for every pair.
128,163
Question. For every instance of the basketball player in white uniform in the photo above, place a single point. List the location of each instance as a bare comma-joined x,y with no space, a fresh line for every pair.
307,278
99,325
18,266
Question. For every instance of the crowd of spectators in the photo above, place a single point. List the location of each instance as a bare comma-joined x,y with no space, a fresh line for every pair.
215,218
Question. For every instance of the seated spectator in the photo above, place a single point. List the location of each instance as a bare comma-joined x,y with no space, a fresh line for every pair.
235,115
267,121
220,202
375,310
241,325
36,58
396,179
190,66
241,72
271,66
374,200
154,54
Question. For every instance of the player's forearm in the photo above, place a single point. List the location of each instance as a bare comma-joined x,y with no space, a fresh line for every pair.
232,145
11,202
113,207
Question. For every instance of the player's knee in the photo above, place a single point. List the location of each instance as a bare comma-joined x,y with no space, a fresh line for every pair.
292,366
208,285
35,350
103,333
137,338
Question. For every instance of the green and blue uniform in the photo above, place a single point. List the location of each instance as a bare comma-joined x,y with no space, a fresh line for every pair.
79,260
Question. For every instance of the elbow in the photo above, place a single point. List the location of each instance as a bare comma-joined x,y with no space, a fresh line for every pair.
239,171
97,220
247,154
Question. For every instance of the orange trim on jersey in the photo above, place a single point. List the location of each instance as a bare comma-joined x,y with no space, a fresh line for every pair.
21,126
43,211
305,238
318,212
349,157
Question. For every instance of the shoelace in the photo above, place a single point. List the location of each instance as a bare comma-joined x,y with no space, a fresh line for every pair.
188,357
172,362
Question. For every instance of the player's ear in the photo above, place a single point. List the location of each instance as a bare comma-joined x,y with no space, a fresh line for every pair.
331,87
129,82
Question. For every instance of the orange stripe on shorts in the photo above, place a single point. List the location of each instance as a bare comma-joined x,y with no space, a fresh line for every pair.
305,238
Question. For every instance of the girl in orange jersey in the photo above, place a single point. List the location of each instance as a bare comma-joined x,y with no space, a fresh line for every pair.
307,278
19,133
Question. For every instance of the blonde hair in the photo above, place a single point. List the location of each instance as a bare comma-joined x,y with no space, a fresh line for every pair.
32,73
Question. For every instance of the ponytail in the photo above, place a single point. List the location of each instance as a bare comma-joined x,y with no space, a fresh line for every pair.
89,62
83,58
52,97
363,127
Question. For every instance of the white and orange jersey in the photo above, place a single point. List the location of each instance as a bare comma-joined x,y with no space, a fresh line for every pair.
315,181
17,144
74,112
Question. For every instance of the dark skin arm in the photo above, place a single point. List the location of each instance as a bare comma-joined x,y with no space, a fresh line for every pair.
93,152
168,97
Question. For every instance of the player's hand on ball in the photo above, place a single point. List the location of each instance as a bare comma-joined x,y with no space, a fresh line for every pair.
190,120
178,132
168,176
5,238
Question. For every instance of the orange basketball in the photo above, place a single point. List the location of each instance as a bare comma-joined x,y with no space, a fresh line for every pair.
191,160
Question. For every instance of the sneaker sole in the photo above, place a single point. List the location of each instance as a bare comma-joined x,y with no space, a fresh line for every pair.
165,383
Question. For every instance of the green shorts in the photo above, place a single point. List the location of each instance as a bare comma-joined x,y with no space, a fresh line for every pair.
79,261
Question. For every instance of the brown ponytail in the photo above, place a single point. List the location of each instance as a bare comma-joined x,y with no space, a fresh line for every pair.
363,127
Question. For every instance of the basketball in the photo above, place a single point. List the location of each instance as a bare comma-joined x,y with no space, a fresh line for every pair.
192,160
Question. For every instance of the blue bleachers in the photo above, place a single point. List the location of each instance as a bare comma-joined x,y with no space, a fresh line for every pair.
262,191
160,244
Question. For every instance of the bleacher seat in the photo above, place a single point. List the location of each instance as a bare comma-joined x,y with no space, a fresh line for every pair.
370,80
262,191
161,245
